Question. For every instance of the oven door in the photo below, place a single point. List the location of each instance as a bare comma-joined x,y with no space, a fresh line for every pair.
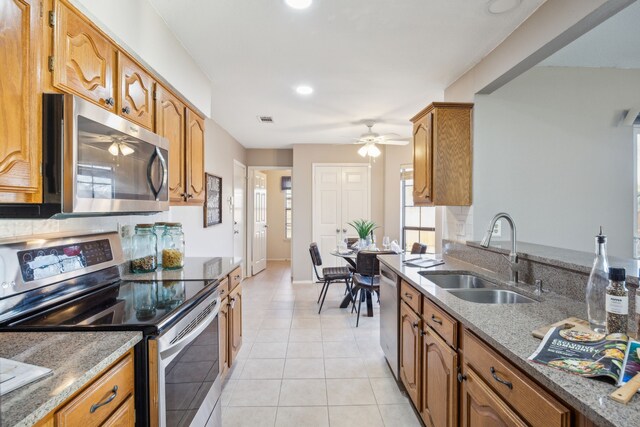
111,165
189,383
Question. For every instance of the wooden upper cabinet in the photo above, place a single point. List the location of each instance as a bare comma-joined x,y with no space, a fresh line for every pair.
135,97
170,123
20,110
442,155
422,159
195,158
410,351
439,384
84,60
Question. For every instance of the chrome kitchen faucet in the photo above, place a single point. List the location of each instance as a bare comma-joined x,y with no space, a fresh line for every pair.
513,255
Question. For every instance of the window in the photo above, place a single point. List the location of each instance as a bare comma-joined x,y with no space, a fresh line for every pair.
285,185
418,222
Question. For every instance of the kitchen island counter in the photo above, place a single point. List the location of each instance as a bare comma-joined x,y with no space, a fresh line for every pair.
75,358
508,327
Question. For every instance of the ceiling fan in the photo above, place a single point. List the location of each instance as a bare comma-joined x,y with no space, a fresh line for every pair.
371,138
117,144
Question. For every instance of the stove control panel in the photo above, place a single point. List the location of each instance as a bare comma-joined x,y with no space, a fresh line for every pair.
45,262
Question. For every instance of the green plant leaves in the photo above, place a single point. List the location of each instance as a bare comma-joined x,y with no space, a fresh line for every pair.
363,227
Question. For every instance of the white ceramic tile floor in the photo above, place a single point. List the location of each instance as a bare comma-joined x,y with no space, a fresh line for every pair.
300,368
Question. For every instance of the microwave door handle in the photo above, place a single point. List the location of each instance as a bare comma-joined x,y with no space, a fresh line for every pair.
156,155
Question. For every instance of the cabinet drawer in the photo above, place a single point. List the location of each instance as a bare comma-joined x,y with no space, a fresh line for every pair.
440,322
110,390
235,277
125,416
223,287
535,405
411,296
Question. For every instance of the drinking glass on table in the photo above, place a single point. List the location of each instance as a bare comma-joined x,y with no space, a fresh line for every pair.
385,243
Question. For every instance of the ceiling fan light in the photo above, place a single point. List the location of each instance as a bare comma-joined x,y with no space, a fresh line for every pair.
126,150
373,151
364,150
113,149
298,4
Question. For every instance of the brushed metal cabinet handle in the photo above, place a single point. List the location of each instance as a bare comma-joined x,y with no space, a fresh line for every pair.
114,393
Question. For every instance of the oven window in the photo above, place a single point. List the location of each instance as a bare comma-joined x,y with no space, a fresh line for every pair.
190,376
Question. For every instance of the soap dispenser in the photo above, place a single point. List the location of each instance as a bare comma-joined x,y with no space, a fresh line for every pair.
597,286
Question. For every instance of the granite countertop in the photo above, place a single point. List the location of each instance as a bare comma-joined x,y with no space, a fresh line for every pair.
507,327
195,268
75,358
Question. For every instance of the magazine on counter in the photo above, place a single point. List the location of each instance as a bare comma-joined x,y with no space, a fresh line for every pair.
590,354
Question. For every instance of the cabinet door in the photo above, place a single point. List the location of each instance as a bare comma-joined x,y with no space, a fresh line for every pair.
439,385
481,407
235,323
124,416
170,123
223,327
135,100
19,105
195,158
423,160
83,58
410,351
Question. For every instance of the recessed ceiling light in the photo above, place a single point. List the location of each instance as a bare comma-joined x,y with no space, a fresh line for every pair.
304,90
497,7
298,4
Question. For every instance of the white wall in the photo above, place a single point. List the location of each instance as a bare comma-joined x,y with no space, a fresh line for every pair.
137,25
278,248
221,149
549,149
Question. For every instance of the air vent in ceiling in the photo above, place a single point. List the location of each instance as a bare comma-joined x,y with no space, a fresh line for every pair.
265,119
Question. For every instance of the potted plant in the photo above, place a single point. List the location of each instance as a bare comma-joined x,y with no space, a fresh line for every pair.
364,228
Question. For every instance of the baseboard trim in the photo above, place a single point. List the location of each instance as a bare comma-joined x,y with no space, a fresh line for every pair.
278,259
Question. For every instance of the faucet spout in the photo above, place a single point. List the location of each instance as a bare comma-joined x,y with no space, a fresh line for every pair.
513,255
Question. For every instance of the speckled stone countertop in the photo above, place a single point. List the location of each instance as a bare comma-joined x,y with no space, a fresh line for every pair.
195,268
75,358
507,328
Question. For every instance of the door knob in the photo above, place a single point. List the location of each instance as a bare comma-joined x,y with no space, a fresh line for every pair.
110,101
266,226
337,230
344,230
236,232
126,110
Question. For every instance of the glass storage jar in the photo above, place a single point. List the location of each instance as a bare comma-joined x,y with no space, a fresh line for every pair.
173,246
158,230
143,249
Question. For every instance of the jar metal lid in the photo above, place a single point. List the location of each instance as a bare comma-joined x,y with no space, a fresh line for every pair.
144,226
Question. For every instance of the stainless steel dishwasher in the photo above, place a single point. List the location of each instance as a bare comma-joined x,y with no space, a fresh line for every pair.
389,315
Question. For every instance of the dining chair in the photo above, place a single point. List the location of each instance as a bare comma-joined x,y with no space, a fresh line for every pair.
367,277
329,274
418,248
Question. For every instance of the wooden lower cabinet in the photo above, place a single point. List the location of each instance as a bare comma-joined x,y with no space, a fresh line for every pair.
235,323
439,384
481,407
125,416
223,328
410,352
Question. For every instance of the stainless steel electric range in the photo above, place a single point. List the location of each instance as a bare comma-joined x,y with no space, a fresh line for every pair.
73,284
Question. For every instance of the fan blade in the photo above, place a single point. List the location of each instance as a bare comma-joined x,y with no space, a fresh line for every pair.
391,136
404,141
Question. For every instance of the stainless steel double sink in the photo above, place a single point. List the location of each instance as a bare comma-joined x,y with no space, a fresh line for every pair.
475,289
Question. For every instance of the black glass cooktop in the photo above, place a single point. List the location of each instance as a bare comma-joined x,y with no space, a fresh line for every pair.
146,306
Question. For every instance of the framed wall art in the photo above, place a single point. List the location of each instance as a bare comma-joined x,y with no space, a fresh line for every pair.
213,200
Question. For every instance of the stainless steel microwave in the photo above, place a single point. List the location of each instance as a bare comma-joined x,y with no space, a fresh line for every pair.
96,163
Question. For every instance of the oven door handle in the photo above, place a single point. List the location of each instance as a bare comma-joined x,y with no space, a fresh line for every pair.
191,336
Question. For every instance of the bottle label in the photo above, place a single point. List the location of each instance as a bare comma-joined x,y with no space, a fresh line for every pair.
617,304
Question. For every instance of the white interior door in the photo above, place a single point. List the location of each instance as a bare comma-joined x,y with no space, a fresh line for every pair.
355,198
259,240
239,196
326,211
340,194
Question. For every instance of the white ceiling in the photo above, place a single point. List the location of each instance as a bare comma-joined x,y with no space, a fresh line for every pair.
381,59
614,43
